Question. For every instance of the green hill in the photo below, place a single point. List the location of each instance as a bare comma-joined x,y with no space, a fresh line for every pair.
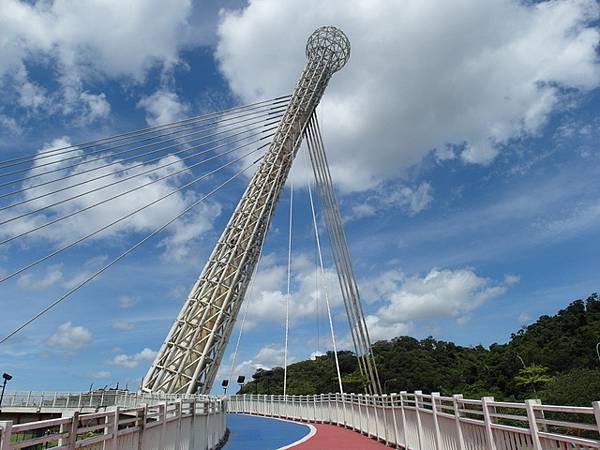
559,353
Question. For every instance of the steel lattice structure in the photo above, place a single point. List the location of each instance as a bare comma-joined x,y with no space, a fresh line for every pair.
190,356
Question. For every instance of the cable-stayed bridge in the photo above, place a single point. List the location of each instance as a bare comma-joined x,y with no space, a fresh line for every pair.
173,408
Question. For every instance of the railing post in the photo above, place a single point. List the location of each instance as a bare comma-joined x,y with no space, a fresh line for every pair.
179,411
375,398
143,410
72,441
192,424
404,433
456,399
533,426
163,416
394,419
343,396
5,435
115,431
489,432
434,404
418,398
596,406
360,427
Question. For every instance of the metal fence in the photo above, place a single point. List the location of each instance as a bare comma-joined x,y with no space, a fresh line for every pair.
417,421
86,400
183,424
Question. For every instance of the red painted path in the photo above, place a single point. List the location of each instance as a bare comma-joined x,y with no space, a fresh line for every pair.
331,437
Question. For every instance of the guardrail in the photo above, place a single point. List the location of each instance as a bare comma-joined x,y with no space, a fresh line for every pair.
178,424
417,421
84,400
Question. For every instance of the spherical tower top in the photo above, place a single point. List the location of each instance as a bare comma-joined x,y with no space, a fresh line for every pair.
329,45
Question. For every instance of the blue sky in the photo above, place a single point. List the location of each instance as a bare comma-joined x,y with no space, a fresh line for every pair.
463,141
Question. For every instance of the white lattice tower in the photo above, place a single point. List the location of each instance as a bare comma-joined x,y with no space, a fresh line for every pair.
190,356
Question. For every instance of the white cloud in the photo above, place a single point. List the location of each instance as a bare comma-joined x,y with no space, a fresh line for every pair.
411,200
52,275
379,330
524,317
97,107
267,357
439,294
163,107
70,337
85,41
422,74
131,361
126,301
101,374
180,237
267,297
123,325
10,124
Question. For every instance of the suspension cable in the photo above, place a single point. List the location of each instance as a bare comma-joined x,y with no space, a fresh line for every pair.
341,256
122,180
131,214
88,161
311,142
140,132
125,160
288,293
324,283
144,163
124,254
246,306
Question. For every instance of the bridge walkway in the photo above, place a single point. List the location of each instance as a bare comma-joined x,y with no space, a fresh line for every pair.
249,432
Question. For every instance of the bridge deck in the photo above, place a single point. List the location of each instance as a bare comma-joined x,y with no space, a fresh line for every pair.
249,432
334,437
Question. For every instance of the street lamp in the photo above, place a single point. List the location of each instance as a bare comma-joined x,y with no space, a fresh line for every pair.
522,362
240,381
7,378
598,350
225,383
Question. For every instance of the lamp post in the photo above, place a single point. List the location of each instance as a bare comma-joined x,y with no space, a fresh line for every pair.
7,378
385,383
598,350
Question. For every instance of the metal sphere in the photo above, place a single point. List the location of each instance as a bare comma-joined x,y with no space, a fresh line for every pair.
329,45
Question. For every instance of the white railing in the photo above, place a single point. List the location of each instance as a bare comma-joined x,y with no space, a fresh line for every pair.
85,400
432,422
183,424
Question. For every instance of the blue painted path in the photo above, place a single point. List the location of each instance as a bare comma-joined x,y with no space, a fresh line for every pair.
261,433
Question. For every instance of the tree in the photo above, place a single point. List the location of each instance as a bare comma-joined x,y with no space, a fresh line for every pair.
533,376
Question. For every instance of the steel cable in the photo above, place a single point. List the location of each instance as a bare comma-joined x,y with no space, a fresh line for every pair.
88,161
121,219
154,169
140,132
122,255
67,216
116,162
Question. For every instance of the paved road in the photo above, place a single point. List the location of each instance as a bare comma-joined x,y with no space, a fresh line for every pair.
261,433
